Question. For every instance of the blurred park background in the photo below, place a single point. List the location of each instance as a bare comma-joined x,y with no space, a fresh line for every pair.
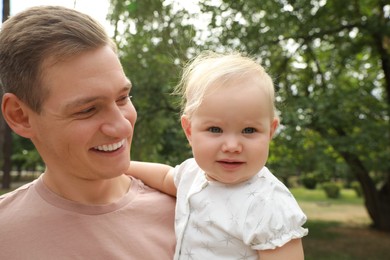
330,61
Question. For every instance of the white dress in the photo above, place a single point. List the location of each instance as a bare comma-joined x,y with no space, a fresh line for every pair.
219,221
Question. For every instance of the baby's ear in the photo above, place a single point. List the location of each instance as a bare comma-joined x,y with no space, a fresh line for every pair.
274,126
186,125
17,115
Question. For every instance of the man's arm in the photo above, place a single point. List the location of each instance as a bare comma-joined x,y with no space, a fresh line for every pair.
155,175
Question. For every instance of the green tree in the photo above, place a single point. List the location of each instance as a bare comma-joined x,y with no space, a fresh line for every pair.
25,156
331,63
153,42
331,67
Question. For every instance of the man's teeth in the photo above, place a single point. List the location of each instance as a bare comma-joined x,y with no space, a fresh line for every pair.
110,147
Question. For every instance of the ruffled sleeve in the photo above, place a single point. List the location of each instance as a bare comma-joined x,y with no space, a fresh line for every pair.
274,219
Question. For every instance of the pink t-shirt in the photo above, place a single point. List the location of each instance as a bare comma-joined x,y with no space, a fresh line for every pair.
35,223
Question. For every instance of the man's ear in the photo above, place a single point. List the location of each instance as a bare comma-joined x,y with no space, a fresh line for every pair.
16,114
186,125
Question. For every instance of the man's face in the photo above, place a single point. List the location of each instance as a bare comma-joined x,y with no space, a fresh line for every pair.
86,124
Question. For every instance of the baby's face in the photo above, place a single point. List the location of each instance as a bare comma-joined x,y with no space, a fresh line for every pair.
231,130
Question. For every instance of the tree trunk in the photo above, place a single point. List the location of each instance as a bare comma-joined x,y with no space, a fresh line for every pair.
6,141
377,202
7,164
381,207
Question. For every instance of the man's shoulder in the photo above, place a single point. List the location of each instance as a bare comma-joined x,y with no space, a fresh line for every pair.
16,194
15,203
151,202
149,192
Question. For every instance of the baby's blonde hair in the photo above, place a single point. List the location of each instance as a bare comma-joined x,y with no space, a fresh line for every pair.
209,69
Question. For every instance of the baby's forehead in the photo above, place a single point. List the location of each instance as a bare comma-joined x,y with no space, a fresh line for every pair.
233,82
239,82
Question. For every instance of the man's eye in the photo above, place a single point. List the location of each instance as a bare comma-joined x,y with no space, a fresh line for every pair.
215,129
248,130
86,111
124,99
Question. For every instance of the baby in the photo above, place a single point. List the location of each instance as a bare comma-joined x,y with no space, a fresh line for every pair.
229,205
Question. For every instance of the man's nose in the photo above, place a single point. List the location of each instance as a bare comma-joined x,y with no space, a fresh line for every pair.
119,121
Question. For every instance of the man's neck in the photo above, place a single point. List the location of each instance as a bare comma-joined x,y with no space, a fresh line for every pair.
89,192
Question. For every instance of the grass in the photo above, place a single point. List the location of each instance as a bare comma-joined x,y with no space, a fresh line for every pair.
336,241
339,229
347,196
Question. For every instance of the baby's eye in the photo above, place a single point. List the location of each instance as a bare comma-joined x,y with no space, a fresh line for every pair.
215,129
248,130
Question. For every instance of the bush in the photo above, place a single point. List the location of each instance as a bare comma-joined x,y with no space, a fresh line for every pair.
309,181
332,190
357,188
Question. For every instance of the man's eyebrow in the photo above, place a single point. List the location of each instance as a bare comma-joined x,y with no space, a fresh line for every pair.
82,101
79,102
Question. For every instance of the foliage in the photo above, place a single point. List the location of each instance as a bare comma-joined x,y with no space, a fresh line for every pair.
330,61
309,181
24,155
357,188
332,190
153,43
331,67
326,68
303,152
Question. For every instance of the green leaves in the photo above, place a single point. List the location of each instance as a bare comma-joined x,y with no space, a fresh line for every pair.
323,56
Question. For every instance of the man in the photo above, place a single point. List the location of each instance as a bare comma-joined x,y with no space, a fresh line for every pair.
65,90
